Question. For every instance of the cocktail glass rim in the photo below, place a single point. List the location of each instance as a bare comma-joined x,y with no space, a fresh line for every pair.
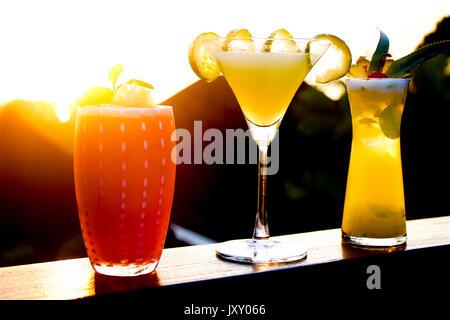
263,39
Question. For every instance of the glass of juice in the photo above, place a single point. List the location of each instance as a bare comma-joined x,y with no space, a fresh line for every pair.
124,183
374,210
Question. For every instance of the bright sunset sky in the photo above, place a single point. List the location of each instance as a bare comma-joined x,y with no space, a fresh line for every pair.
54,50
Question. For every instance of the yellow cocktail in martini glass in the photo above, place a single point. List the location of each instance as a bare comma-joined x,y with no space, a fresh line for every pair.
264,75
264,84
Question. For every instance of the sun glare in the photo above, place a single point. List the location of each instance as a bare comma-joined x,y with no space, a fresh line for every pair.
55,50
63,112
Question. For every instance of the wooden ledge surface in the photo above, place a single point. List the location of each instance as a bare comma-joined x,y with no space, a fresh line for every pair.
75,278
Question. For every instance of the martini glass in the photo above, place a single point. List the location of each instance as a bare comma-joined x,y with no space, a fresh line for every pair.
264,74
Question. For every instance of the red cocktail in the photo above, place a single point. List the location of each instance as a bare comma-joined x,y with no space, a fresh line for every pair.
124,182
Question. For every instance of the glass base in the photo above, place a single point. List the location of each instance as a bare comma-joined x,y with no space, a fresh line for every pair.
127,270
374,243
261,251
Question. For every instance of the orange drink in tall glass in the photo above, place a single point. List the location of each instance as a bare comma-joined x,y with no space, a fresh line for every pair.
124,181
374,210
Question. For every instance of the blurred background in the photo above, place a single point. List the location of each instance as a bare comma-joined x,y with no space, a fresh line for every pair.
51,52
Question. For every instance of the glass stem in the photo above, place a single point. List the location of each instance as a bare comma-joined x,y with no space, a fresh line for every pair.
261,230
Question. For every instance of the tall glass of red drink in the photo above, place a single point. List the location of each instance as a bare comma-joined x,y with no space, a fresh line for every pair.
124,183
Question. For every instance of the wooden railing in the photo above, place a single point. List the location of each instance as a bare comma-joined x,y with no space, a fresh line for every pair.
74,279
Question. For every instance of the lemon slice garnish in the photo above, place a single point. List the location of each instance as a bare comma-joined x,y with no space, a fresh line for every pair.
239,33
95,96
281,34
360,69
335,62
202,63
134,93
137,82
282,42
239,40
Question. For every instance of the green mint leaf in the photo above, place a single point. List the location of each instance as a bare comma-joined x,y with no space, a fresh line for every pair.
380,52
401,66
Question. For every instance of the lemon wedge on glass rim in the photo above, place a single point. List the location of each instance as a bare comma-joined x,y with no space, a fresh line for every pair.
202,63
280,41
239,40
334,63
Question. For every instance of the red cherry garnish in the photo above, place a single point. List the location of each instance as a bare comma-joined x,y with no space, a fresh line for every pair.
377,74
